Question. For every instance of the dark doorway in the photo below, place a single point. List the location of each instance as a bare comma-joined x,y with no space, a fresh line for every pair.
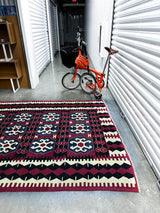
71,15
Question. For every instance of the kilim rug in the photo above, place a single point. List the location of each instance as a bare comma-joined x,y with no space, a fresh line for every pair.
62,146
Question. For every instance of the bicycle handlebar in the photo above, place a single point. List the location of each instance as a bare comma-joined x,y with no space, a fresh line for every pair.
82,44
78,38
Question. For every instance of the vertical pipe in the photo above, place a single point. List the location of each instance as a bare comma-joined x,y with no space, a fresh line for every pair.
110,41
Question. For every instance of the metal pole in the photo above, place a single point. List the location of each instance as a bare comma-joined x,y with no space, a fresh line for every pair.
110,40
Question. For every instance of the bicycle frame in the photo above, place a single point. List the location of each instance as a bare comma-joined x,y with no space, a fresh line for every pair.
77,67
99,76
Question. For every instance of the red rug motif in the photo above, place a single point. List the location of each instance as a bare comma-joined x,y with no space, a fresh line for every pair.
62,146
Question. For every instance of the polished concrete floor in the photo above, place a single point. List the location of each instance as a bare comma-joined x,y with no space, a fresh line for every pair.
146,201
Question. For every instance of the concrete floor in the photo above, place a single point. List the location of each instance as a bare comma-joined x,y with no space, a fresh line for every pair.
146,201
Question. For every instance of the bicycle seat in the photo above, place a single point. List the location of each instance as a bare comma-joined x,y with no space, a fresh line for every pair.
111,51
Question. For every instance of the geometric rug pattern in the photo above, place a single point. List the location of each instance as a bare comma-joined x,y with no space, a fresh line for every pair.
62,146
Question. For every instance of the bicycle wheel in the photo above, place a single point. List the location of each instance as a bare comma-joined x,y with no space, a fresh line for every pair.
68,83
87,78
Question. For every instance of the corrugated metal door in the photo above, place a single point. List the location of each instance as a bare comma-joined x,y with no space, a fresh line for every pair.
61,29
39,26
53,16
134,73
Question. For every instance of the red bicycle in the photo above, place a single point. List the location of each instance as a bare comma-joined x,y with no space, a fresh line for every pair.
91,81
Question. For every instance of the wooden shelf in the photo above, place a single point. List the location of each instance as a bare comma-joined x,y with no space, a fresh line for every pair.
7,32
5,76
12,66
10,69
10,61
5,43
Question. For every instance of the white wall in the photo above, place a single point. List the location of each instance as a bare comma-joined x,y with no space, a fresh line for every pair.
98,12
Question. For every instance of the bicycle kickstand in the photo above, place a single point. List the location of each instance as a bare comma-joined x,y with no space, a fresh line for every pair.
98,95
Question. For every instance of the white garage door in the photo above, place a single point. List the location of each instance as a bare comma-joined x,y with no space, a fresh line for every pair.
134,73
39,26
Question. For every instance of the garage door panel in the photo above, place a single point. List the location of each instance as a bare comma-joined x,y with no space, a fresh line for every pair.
40,37
134,73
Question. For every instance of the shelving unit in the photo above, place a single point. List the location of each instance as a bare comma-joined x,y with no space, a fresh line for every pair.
10,67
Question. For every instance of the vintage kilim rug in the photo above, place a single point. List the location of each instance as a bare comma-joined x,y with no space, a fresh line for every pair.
62,146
